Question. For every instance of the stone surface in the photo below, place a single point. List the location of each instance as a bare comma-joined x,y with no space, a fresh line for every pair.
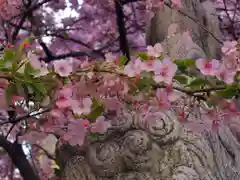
203,17
155,150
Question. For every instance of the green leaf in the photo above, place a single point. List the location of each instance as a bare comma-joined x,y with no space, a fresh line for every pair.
145,84
39,91
197,83
229,92
9,55
237,76
142,55
183,64
10,91
97,110
181,79
94,135
122,61
14,66
40,87
29,71
65,80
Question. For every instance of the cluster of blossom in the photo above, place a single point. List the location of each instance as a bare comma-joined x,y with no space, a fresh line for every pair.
165,70
86,91
9,8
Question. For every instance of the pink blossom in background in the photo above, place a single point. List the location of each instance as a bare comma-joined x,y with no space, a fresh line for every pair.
162,99
177,3
100,126
76,132
63,67
229,47
155,50
164,71
133,68
224,75
207,67
82,107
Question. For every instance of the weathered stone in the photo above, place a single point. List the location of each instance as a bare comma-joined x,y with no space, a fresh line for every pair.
163,150
203,18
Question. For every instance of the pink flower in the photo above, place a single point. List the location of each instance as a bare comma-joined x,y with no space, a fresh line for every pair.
172,94
229,47
57,113
35,63
164,71
177,3
232,61
148,66
224,75
133,68
63,67
110,57
155,50
208,67
162,99
76,132
100,126
65,96
66,92
82,107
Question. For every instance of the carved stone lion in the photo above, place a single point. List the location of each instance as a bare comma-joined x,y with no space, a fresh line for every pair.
154,147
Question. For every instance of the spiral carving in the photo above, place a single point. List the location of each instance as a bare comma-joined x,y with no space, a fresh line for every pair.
105,159
77,168
121,122
162,127
134,176
152,147
185,173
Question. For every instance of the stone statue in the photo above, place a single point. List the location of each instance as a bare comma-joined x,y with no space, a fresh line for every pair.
161,149
196,17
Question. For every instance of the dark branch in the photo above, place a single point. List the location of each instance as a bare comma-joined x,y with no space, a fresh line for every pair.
122,31
128,1
18,27
64,56
19,159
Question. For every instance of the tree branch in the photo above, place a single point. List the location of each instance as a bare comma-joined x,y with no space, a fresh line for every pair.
19,159
122,31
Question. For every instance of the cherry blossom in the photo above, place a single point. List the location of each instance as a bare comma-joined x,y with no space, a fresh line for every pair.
162,99
224,75
229,47
208,67
155,50
177,3
82,107
148,66
100,126
133,68
63,67
76,132
164,71
73,47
